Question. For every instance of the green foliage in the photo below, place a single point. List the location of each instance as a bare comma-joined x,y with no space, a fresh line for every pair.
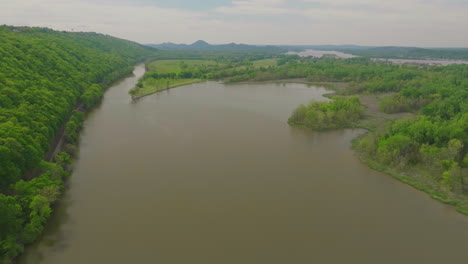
52,175
464,162
92,95
9,222
35,197
366,144
62,159
424,140
398,104
397,149
40,211
44,74
73,127
265,63
339,113
177,66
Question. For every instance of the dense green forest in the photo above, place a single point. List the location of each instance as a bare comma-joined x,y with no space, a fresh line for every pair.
44,75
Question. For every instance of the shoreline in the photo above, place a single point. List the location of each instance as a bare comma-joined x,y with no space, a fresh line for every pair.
331,85
167,88
57,143
375,119
460,204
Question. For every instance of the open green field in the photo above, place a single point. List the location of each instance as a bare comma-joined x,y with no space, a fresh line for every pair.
260,63
175,66
265,63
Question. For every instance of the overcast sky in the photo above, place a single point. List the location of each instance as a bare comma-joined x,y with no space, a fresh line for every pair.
425,23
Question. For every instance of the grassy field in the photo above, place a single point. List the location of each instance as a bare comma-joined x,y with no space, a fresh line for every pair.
265,63
175,66
260,63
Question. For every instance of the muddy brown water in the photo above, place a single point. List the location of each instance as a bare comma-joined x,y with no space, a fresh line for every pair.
212,174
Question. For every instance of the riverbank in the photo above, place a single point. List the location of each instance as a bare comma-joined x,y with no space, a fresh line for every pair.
161,85
417,177
417,180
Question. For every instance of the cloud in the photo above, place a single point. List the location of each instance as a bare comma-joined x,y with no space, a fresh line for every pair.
365,22
138,22
256,7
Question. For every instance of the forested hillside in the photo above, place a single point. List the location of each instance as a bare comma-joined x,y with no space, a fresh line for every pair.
44,74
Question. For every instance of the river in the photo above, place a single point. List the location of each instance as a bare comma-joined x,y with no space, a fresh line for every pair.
342,55
212,174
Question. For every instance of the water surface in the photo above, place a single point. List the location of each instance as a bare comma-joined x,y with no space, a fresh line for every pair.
322,53
212,174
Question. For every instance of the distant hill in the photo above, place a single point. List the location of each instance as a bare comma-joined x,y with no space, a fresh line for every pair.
201,45
393,52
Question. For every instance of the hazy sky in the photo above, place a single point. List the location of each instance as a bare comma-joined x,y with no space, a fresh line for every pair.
363,22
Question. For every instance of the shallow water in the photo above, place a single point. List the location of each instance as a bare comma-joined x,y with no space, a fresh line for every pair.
211,173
